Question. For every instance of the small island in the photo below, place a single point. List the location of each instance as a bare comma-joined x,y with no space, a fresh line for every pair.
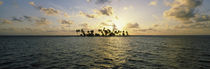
102,32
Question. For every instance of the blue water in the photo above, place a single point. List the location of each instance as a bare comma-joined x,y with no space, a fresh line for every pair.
137,52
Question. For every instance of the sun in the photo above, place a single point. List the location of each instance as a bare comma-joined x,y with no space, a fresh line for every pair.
119,24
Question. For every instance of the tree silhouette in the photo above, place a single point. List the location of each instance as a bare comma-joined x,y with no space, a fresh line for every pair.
83,32
127,33
123,33
77,31
104,32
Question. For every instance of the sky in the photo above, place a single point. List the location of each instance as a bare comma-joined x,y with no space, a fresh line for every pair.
138,17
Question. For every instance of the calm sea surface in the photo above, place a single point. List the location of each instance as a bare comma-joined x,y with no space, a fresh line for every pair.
137,52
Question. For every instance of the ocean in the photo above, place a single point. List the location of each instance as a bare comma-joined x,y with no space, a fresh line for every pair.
133,52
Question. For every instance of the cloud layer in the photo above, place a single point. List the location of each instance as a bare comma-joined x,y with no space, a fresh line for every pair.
50,11
42,21
105,11
132,25
183,10
88,15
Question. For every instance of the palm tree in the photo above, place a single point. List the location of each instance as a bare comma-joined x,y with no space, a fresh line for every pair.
123,33
102,33
77,30
127,33
83,32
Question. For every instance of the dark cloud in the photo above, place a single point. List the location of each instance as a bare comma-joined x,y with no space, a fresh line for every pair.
16,19
193,26
102,1
200,18
146,30
136,27
47,11
28,18
132,25
42,21
37,20
107,10
99,1
183,10
88,15
20,19
66,22
50,11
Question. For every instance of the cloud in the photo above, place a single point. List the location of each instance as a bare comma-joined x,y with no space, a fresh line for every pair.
5,21
42,21
200,18
88,15
183,10
68,22
156,25
22,30
193,26
99,1
66,15
47,11
136,27
153,3
28,18
39,21
132,25
1,2
102,1
146,30
107,10
50,11
20,19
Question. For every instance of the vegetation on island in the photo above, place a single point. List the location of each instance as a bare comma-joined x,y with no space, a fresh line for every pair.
102,32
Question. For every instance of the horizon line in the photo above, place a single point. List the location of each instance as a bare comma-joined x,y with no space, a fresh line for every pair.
94,36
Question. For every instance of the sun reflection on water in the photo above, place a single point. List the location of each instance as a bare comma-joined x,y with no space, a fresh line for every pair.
112,52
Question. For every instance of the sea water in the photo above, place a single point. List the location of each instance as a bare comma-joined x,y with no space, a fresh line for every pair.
134,52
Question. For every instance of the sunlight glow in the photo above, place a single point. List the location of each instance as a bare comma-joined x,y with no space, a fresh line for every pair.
119,24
